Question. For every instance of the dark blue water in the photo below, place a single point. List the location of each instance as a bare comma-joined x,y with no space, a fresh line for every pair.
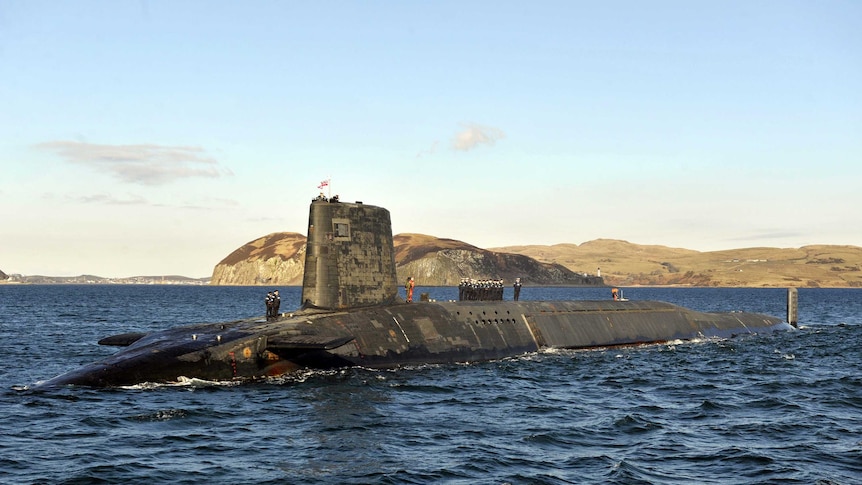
784,408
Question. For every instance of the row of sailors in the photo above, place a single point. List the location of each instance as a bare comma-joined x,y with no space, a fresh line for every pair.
480,290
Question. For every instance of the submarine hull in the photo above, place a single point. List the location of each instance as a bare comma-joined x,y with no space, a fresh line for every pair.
475,331
404,334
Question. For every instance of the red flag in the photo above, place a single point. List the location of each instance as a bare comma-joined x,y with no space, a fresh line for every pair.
323,184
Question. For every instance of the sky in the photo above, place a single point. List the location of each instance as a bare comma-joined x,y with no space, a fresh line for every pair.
156,137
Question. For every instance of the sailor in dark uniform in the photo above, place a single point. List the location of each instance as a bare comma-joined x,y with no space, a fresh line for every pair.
517,288
268,301
276,303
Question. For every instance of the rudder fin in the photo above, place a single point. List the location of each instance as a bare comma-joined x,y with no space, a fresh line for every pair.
122,339
305,342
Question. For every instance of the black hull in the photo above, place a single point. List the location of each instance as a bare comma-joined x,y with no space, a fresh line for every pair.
404,334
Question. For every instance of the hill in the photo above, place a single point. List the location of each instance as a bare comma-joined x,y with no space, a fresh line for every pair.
625,264
279,258
436,261
100,280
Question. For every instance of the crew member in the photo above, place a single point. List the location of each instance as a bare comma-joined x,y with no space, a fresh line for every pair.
615,293
517,287
409,288
276,303
269,300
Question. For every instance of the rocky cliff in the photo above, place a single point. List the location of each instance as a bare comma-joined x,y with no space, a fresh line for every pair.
277,259
434,261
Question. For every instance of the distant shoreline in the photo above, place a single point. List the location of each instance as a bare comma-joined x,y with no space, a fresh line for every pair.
184,283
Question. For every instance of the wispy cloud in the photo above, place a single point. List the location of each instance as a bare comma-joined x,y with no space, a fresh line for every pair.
145,164
207,203
96,199
430,151
473,135
105,199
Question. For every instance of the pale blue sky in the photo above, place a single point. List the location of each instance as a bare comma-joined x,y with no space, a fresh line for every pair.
155,137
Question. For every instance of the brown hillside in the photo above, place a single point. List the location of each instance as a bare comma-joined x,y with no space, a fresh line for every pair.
278,244
624,263
410,247
279,258
436,261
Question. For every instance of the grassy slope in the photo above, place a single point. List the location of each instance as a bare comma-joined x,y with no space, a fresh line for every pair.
624,263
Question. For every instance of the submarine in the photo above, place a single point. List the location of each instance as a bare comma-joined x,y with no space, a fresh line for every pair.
350,314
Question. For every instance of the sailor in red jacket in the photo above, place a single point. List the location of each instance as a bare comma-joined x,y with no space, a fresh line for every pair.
409,287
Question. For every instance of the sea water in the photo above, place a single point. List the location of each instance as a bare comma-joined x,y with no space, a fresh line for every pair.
783,408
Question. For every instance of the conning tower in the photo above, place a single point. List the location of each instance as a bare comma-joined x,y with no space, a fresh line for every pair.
349,258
